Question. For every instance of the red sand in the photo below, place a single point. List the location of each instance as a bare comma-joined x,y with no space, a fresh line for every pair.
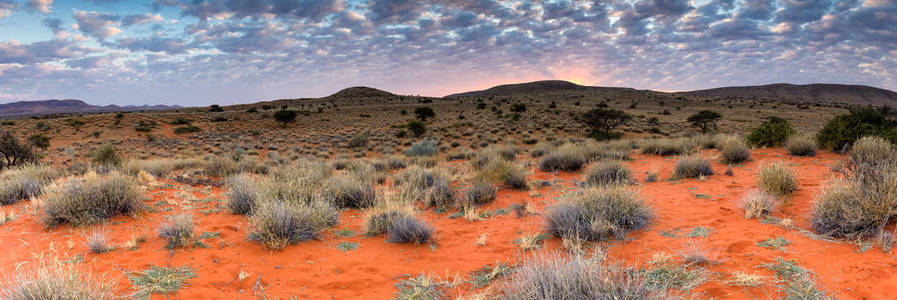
318,269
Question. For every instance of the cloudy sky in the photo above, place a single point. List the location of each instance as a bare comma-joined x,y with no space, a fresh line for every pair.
198,52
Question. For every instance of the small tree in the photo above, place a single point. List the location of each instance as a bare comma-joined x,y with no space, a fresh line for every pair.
40,141
285,116
603,121
705,120
771,133
425,112
105,157
13,153
417,128
215,108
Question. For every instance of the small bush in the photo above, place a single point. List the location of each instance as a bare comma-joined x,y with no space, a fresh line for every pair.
567,158
664,147
24,182
771,133
105,158
378,220
557,277
800,146
480,193
733,150
608,173
92,199
758,204
504,172
242,194
178,230
98,242
348,191
776,179
55,280
873,152
692,167
408,229
441,194
422,148
277,224
359,140
598,214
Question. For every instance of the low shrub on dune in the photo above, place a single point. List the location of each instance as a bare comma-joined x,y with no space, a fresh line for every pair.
92,199
733,150
608,173
800,146
598,214
692,167
567,158
777,179
277,224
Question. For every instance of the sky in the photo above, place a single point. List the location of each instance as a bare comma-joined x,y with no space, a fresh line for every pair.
200,52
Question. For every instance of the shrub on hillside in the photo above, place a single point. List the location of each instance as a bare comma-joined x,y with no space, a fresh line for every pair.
771,133
598,214
692,167
800,146
92,199
608,173
425,147
776,179
841,132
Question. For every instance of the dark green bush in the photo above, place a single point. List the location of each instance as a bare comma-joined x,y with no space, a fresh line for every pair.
839,133
771,133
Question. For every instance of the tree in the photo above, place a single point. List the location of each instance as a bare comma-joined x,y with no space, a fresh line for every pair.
771,133
14,153
215,108
40,141
425,112
705,120
839,133
285,116
417,128
603,121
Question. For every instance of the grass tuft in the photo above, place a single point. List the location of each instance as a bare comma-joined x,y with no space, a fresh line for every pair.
598,214
92,199
776,179
692,167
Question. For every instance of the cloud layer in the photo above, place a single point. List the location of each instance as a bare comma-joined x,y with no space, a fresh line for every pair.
197,52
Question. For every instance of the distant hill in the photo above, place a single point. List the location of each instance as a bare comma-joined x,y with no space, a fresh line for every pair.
839,93
544,86
782,92
360,92
48,107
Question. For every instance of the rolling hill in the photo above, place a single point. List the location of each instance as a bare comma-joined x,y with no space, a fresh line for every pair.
47,107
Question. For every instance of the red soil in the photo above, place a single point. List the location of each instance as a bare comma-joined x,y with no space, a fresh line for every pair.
318,269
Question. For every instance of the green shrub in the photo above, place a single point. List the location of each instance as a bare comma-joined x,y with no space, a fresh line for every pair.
800,146
105,158
92,199
418,128
776,179
54,280
841,132
608,173
577,277
692,167
285,116
598,214
15,153
771,133
733,151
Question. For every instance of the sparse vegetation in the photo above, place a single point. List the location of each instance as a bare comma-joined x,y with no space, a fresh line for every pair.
800,146
557,277
160,280
178,230
92,199
598,214
692,167
54,280
607,173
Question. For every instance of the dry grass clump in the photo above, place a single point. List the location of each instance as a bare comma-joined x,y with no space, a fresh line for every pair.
598,214
503,172
301,182
54,280
568,158
277,224
776,179
440,195
800,146
479,193
541,149
706,141
758,204
24,182
429,186
160,167
242,194
425,147
692,167
607,173
865,201
552,276
664,147
98,242
379,218
733,150
178,230
606,150
350,191
92,199
408,229
395,217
